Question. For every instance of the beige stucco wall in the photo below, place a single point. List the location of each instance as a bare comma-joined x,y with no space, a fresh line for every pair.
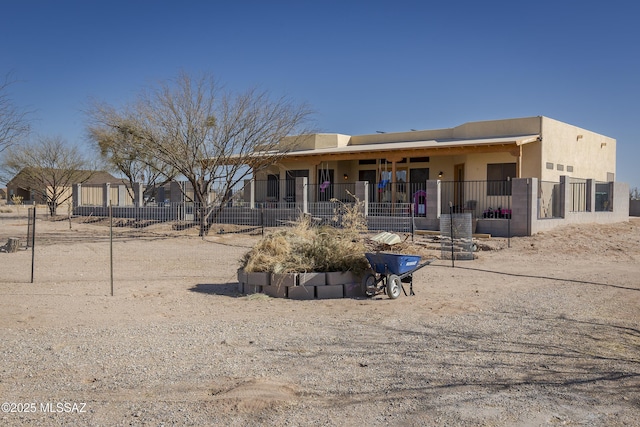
531,160
419,135
476,165
316,141
592,155
491,128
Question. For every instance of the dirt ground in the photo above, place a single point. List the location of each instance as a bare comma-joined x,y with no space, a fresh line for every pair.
544,332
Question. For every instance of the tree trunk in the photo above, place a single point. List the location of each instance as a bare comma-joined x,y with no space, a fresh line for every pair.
12,245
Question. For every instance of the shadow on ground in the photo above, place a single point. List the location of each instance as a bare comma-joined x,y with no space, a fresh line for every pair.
224,289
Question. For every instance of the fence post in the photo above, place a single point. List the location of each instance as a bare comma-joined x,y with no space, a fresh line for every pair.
591,195
33,243
362,194
565,196
106,194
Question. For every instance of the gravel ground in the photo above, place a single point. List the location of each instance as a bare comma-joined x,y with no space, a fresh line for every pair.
542,333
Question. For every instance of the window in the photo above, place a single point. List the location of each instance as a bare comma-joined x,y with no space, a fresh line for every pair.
273,186
367,162
499,178
569,168
549,165
560,167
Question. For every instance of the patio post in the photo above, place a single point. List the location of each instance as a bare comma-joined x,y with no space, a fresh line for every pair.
302,193
362,194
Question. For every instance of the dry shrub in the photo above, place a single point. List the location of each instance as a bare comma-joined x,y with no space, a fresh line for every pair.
305,248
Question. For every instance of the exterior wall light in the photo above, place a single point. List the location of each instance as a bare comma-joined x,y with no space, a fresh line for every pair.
346,177
440,174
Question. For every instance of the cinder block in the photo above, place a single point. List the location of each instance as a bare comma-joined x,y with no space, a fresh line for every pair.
330,291
312,279
242,276
252,289
258,279
275,291
301,292
340,277
284,279
352,290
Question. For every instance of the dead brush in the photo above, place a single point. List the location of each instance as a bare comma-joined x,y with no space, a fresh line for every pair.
307,247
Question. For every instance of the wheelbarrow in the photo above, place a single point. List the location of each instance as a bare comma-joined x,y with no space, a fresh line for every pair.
390,271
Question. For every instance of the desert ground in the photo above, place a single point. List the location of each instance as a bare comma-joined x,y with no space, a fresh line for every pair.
537,331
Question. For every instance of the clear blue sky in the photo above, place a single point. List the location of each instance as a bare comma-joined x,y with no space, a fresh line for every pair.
362,65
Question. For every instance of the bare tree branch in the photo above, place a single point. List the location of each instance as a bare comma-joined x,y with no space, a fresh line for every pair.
195,129
13,121
49,166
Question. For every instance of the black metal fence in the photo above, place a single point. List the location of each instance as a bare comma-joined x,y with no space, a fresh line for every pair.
482,199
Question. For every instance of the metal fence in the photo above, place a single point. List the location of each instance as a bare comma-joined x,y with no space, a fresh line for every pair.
578,188
482,199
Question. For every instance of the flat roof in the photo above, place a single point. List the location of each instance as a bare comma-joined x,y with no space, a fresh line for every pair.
414,145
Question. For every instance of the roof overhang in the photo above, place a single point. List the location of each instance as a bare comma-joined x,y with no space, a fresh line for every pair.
416,148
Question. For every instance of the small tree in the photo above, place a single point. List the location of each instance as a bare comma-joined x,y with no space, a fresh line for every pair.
125,153
634,194
49,166
195,129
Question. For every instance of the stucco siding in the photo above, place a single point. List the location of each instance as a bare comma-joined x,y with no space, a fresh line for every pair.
521,126
591,155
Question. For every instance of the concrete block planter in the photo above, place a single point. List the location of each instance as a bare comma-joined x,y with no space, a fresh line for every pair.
330,291
242,279
252,289
258,279
284,279
340,277
312,279
352,290
302,292
275,291
302,286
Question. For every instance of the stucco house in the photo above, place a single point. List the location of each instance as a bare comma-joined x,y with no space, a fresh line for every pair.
514,176
22,185
473,167
497,150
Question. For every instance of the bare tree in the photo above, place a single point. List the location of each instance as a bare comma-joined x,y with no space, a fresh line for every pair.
211,137
13,123
125,153
49,166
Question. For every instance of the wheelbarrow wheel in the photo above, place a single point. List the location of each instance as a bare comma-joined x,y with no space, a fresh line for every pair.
369,284
394,286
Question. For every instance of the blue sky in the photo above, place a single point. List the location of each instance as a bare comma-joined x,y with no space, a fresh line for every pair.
362,65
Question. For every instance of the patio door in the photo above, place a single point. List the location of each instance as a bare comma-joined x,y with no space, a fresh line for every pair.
369,176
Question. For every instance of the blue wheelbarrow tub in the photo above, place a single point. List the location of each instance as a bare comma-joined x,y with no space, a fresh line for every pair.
384,263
